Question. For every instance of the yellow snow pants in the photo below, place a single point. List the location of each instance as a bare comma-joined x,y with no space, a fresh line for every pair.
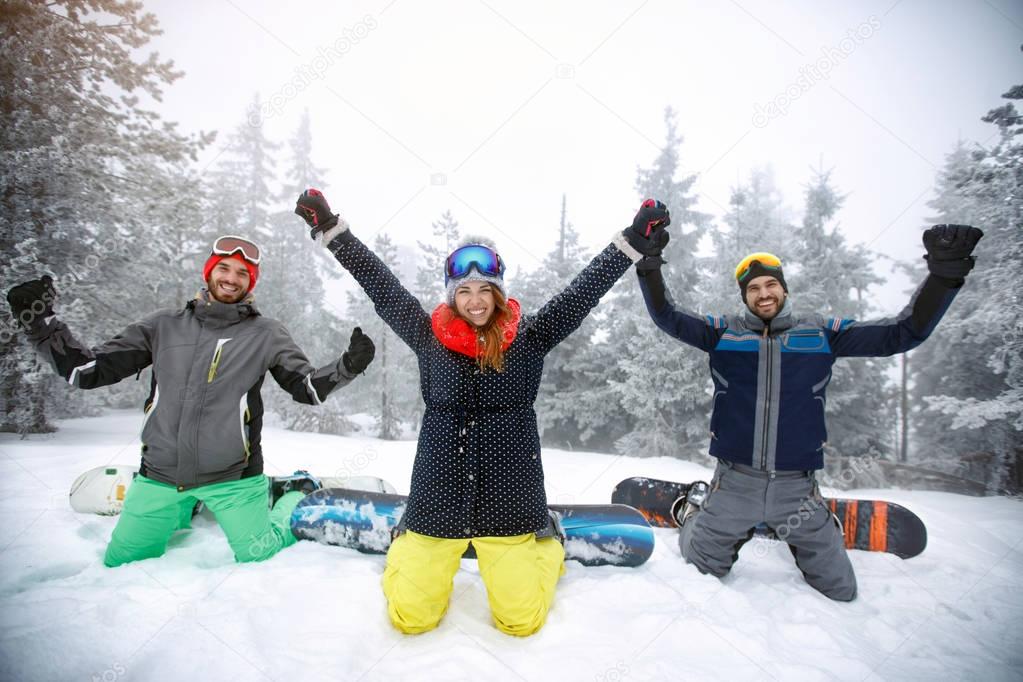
520,573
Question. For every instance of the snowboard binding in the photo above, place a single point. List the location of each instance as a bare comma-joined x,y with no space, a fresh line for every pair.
554,528
689,503
301,481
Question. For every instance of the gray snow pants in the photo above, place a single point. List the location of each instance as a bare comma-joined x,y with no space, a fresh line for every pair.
789,502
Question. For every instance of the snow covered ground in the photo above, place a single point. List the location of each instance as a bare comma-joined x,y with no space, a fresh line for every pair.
317,612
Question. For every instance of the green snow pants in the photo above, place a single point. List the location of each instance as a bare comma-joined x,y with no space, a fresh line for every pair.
153,511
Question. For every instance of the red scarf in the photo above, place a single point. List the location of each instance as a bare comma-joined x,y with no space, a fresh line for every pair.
458,335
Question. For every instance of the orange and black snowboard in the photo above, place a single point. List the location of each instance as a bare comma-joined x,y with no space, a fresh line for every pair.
871,525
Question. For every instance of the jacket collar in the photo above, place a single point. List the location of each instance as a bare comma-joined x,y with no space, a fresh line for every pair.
458,335
212,313
779,323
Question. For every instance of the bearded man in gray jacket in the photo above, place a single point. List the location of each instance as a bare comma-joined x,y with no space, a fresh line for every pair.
203,417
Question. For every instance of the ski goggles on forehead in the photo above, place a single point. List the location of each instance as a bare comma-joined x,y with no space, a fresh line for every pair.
483,258
768,260
229,245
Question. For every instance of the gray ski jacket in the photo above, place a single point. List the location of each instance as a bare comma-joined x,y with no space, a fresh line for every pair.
204,412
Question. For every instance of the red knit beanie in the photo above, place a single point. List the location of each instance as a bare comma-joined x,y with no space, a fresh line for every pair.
212,261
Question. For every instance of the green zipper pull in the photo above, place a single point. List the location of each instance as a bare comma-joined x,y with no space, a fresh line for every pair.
213,366
216,360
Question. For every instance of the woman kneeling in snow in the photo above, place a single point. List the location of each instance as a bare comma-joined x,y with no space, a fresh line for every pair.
478,475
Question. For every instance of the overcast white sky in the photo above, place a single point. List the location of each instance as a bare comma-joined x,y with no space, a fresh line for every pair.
494,109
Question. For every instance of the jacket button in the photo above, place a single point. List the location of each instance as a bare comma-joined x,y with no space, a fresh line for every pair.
181,488
534,456
468,531
472,423
471,477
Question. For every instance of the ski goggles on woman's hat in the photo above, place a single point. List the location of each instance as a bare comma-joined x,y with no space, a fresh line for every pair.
768,261
229,245
462,260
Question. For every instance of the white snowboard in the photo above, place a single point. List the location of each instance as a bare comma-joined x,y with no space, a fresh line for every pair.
102,490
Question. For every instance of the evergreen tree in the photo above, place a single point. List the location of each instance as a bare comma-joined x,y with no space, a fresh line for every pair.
245,168
969,376
292,288
429,286
301,174
179,217
657,422
756,221
83,168
567,399
389,389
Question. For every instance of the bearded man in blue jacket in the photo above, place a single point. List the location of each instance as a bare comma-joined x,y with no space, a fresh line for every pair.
770,368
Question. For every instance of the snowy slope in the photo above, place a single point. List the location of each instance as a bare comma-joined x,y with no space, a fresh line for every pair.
316,612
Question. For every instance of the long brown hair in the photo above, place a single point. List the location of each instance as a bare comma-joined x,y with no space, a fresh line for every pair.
493,334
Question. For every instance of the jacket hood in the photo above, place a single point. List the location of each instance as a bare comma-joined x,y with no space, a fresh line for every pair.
210,311
779,323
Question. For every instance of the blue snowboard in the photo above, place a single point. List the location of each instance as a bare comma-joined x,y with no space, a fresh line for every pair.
596,535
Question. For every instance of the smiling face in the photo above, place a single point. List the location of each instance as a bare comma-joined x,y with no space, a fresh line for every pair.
474,301
765,296
229,281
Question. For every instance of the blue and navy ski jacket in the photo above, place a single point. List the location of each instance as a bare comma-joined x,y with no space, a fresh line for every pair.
770,378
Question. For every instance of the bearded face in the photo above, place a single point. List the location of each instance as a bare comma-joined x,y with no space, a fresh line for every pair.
229,281
765,296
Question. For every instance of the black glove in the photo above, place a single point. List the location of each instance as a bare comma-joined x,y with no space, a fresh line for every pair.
360,352
949,249
647,234
649,263
649,271
313,208
32,300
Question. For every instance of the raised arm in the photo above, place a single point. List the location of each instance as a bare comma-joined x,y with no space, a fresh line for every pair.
127,353
949,260
393,302
898,334
564,313
293,372
701,331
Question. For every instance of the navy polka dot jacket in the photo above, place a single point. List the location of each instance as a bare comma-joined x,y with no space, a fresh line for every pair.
478,470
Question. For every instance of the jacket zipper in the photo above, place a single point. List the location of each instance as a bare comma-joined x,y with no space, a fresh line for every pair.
216,360
202,401
767,403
